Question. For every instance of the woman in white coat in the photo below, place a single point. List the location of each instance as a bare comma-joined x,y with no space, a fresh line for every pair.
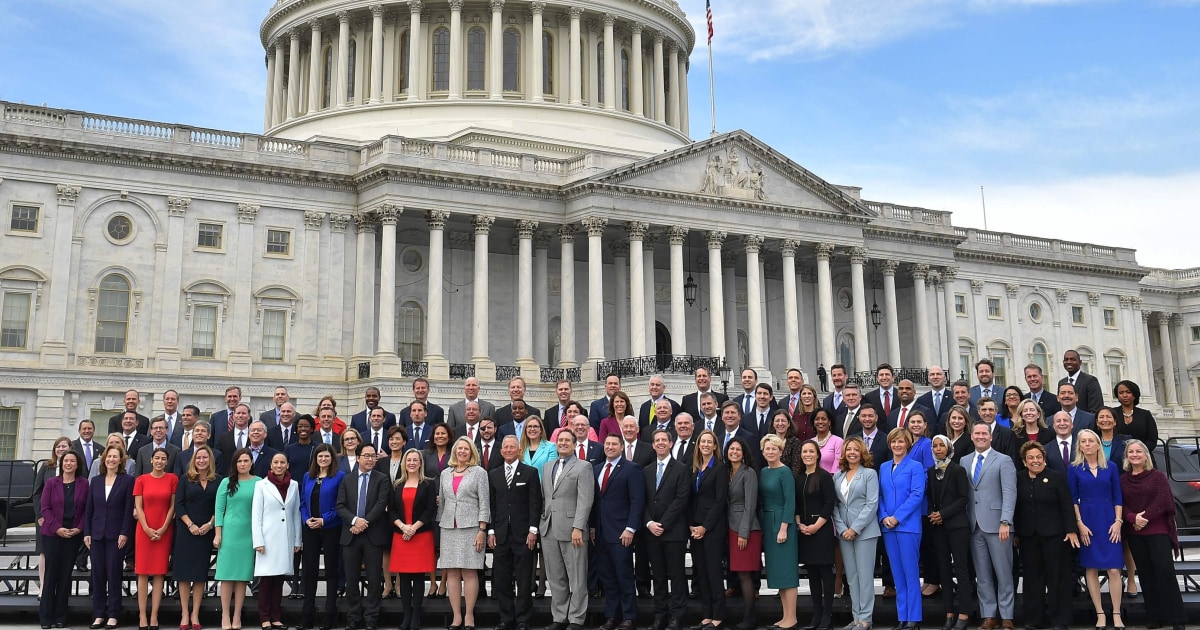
275,522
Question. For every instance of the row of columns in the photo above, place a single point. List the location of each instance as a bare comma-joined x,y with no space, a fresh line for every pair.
1173,394
285,52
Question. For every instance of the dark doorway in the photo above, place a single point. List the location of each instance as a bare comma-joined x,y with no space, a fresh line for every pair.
662,345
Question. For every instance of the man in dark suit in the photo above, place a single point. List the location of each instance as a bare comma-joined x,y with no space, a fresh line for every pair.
833,403
961,396
1037,392
710,414
554,414
684,439
852,406
362,505
419,430
84,446
516,391
598,410
468,425
731,427
617,512
376,431
759,418
259,451
516,501
632,447
171,414
132,400
1068,401
282,434
1003,440
222,421
658,387
589,451
821,376
883,399
200,438
158,439
489,445
129,433
239,437
1087,387
938,398
668,490
745,400
663,419
691,402
270,417
985,371
790,399
1060,451
873,435
362,419
906,403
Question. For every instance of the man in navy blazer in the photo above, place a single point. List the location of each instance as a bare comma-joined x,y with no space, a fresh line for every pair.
1069,403
731,427
433,413
906,403
833,403
691,402
938,398
259,451
617,514
516,391
362,420
883,399
1037,391
658,387
961,394
745,400
221,419
873,435
598,410
1089,394
419,429
1064,439
759,418
276,431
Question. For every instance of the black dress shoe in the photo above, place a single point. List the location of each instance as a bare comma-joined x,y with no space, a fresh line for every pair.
949,625
97,626
626,625
609,624
557,625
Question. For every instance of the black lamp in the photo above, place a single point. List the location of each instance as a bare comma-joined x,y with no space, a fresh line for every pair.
726,374
689,290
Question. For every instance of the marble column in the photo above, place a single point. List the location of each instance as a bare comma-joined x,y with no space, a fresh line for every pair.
660,86
385,338
729,281
648,285
828,354
376,78
364,284
567,311
673,77
574,59
280,98
342,85
637,103
433,302
536,85
921,319
333,347
310,320
637,290
754,328
677,235
620,299
862,348
791,306
315,60
595,230
496,61
1181,356
684,123
1148,385
479,327
948,276
269,102
716,294
541,300
1168,359
294,74
891,317
525,230
456,49
610,63
414,49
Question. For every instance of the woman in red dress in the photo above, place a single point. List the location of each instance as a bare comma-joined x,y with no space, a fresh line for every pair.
154,508
414,506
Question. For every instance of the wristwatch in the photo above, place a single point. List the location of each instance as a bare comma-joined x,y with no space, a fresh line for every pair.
1006,523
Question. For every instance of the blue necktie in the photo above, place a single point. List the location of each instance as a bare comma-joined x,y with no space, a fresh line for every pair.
937,400
362,495
658,477
978,468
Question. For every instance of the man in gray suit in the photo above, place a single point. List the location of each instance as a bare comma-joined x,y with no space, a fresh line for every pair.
270,417
158,439
992,499
567,492
457,415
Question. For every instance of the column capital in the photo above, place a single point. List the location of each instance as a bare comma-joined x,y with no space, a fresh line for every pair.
659,39
338,221
977,287
858,255
672,46
247,213
676,234
456,5
537,8
437,219
365,222
1164,319
650,241
496,5
920,271
1146,315
1138,302
388,214
415,6
934,279
619,249
482,222
824,251
636,28
637,230
177,206
67,194
1125,300
576,13
1093,298
609,20
949,274
1176,318
595,225
788,247
752,243
377,10
889,266
313,220
1012,289
279,45
343,17
715,239
525,229
1062,295
295,34
541,239
566,233
315,25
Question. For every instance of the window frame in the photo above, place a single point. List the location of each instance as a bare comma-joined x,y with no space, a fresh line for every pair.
267,313
1109,315
1078,309
198,247
960,300
29,309
480,73
10,435
36,232
131,296
516,64
195,311
403,333
267,244
999,310
1195,334
439,75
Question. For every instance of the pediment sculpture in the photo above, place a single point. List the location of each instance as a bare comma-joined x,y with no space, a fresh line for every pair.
729,180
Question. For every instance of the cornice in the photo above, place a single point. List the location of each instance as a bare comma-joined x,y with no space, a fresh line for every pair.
453,180
885,233
1132,273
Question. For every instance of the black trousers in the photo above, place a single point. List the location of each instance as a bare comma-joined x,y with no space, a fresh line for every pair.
706,558
952,548
667,569
641,558
318,543
929,564
360,609
1046,592
60,562
1155,562
107,563
512,570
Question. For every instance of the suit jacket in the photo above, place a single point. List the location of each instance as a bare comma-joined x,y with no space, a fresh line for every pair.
227,442
1054,460
643,453
1082,419
108,518
1044,505
753,458
710,499
262,465
566,505
902,494
893,419
435,415
515,508
993,498
997,394
220,425
413,442
97,450
667,504
139,440
684,455
330,488
841,429
740,399
379,531
597,412
494,457
275,436
691,402
1005,441
424,508
269,417
949,496
926,400
551,417
644,412
52,504
837,412
874,398
143,425
1088,390
859,510
743,502
595,452
361,422
879,450
755,422
1048,402
647,434
146,452
457,415
468,506
619,505
175,436
367,437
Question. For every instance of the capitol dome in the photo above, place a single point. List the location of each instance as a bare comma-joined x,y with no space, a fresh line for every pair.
552,78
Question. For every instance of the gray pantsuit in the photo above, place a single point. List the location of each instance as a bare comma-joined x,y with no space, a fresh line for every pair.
857,508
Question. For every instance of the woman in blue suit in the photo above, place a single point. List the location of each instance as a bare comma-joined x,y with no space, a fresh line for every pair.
107,527
322,528
901,503
856,521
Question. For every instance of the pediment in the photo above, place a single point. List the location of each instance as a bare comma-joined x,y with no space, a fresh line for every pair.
735,168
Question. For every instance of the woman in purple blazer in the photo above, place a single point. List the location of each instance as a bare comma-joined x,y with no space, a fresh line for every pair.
64,501
106,530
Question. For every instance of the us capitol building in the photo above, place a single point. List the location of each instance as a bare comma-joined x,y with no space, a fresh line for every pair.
452,188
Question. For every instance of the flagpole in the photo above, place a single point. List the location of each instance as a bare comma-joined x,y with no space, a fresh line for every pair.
712,98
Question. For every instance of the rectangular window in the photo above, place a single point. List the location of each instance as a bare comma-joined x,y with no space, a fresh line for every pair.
279,242
204,331
960,304
24,219
112,321
1195,334
10,420
993,305
1114,374
210,235
274,334
1110,319
1077,315
14,330
1000,374
964,367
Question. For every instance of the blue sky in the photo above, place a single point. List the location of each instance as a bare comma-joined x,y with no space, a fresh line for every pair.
1079,117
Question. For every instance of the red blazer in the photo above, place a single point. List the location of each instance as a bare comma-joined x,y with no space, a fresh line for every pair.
52,504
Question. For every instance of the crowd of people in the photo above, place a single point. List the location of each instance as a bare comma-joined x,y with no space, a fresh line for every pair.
605,499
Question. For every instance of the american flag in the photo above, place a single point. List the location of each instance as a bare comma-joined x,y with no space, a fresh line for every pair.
708,14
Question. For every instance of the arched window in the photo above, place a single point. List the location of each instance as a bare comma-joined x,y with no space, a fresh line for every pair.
476,58
1040,357
327,85
600,74
547,63
625,80
512,60
112,314
402,69
350,67
441,59
410,331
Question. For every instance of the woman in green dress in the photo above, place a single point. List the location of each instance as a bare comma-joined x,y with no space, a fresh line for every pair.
777,514
235,553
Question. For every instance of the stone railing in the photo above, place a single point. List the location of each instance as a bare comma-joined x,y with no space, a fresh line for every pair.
1173,277
909,214
657,364
1035,246
866,380
395,146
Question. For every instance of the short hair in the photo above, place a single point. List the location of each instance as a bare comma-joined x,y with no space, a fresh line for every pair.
655,433
1071,351
865,459
960,383
88,421
417,402
159,419
369,389
837,366
1149,456
397,429
730,403
765,386
885,366
558,382
985,361
194,408
752,371
796,370
611,375
234,388
773,440
708,395
240,405
1067,384
850,385
1031,445
986,399
574,440
1034,366
701,367
420,379
193,474
1137,397
899,433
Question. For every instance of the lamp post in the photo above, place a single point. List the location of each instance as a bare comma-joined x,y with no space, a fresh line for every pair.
726,374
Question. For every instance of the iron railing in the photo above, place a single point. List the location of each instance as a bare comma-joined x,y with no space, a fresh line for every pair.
462,371
657,364
413,369
506,373
919,376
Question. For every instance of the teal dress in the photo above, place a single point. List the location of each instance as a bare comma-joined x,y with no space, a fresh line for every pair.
776,505
235,558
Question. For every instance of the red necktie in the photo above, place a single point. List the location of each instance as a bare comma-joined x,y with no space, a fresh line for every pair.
887,403
487,451
604,481
792,407
903,415
582,453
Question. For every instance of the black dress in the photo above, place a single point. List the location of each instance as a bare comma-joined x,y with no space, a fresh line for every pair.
193,554
817,548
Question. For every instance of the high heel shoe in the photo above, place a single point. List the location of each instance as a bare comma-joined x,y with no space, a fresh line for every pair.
961,624
949,625
1114,625
1102,621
